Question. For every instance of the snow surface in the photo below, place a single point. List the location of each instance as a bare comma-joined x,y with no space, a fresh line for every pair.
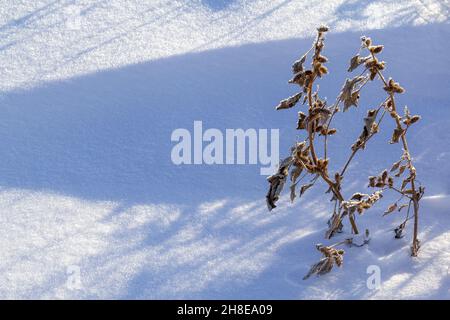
90,93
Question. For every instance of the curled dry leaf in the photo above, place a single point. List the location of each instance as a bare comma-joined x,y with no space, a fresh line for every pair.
396,165
334,225
356,61
400,171
331,257
405,182
358,196
289,102
277,182
297,66
396,135
410,120
348,93
292,194
390,209
301,123
399,231
305,187
295,173
376,49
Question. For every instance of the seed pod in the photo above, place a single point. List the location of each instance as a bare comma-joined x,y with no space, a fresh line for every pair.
391,182
322,70
372,181
375,49
415,118
322,59
381,65
319,128
358,196
371,63
380,184
384,175
322,28
398,89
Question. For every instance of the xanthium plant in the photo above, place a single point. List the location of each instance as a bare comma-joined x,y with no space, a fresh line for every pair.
304,160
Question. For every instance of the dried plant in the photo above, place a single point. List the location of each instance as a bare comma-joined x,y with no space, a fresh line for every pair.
304,160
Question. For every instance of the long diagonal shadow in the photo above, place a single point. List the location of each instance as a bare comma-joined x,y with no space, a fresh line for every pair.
94,153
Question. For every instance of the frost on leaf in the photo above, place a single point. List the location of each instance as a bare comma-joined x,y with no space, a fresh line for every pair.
298,65
356,61
289,102
277,182
349,95
331,257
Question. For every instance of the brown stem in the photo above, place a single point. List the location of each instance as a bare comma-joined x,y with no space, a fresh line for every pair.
351,217
368,138
414,198
310,133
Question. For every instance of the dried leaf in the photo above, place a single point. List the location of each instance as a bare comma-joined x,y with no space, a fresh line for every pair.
400,171
358,196
289,102
295,173
348,94
305,187
390,209
396,165
399,231
277,182
331,257
415,118
396,135
405,183
298,65
292,188
301,123
376,49
356,61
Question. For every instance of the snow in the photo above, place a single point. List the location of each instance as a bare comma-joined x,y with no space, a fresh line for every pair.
90,92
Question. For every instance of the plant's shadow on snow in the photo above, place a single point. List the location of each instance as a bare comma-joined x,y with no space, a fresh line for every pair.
95,151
